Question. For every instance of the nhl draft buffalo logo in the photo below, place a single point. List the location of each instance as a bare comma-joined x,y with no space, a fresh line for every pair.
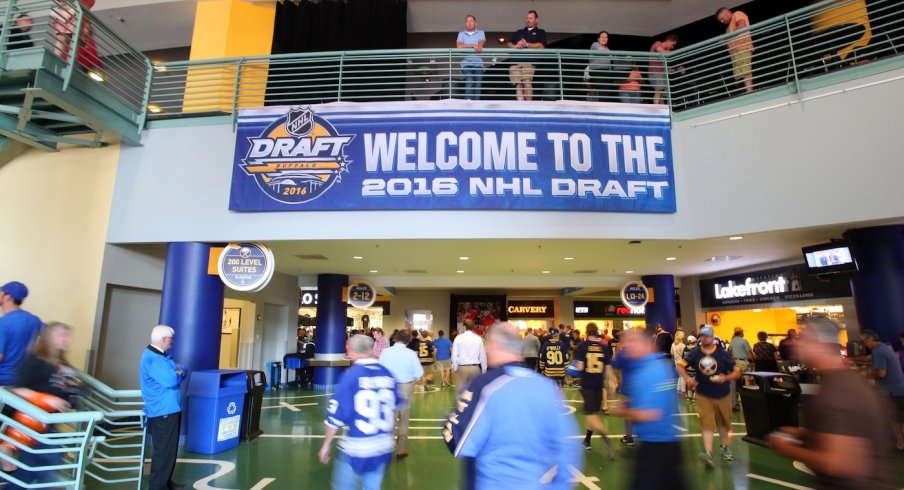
298,157
708,366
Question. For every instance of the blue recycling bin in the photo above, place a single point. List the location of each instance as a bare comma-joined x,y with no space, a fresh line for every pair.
215,402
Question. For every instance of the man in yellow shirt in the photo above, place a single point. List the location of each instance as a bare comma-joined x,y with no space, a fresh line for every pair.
740,46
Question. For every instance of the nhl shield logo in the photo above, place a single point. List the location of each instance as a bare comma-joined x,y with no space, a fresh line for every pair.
299,121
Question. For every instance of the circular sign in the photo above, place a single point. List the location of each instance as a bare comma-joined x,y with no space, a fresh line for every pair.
245,266
634,294
361,294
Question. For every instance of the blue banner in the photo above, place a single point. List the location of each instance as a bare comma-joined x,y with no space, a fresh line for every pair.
454,155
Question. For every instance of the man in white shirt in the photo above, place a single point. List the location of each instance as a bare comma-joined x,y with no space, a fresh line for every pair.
469,357
405,367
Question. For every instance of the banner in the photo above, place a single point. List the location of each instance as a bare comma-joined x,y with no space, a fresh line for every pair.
454,155
777,285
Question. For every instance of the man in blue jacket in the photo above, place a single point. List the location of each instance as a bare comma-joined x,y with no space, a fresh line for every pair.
160,380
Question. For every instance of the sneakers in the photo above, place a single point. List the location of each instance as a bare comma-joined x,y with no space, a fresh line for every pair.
707,459
628,441
726,453
586,445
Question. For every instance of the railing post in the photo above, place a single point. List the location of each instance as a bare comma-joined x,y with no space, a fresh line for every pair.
341,76
146,98
73,41
668,79
793,56
561,77
235,94
450,73
8,20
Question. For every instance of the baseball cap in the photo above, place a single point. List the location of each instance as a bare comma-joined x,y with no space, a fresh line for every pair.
691,339
707,331
738,329
15,289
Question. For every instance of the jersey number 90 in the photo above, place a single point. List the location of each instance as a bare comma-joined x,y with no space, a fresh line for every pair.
554,357
376,410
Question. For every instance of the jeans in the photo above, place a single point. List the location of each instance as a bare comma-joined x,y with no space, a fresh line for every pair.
630,96
345,478
473,79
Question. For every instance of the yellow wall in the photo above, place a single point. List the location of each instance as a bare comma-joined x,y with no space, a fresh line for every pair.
56,207
771,321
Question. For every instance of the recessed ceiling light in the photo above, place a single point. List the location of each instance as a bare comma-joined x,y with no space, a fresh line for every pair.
546,272
374,271
723,258
569,258
671,258
735,238
629,272
463,258
459,272
357,257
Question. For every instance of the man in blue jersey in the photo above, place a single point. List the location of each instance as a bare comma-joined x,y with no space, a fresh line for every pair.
512,454
18,330
554,357
591,358
657,462
364,402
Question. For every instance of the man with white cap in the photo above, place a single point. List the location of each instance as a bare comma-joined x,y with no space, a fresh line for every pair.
18,330
715,370
160,381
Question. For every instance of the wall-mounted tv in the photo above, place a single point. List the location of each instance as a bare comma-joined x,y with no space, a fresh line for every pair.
829,258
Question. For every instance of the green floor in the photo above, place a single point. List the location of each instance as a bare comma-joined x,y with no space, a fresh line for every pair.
292,420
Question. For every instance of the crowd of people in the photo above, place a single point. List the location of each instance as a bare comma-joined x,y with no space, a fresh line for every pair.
606,78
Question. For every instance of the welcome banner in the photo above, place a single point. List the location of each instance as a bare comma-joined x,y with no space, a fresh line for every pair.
454,155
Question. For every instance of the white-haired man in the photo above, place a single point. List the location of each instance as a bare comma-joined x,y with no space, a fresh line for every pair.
161,378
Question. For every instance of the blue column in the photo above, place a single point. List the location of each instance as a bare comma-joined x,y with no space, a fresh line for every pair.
878,284
330,337
192,303
662,309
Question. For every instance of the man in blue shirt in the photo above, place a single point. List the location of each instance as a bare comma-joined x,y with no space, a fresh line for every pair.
512,454
472,66
443,348
715,370
657,462
522,71
890,378
161,378
18,330
405,367
364,402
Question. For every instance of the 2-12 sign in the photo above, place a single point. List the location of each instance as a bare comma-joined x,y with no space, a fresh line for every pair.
362,294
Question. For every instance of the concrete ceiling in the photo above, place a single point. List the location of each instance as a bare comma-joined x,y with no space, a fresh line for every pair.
161,24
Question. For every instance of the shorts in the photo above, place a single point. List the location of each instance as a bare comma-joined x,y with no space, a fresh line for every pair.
657,80
714,412
521,73
742,64
441,366
593,400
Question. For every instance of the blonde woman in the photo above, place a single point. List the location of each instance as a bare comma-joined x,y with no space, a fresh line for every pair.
678,348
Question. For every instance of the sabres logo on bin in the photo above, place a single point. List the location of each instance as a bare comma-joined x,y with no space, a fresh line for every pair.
298,157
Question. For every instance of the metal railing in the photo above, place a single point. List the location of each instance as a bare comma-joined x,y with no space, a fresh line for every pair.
118,458
81,41
60,455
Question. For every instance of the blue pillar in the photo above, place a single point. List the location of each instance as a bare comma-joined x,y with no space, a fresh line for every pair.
878,284
330,337
192,303
661,310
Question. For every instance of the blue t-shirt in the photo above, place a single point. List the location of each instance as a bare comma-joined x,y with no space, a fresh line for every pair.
443,348
656,374
509,453
471,38
884,358
18,330
365,402
719,361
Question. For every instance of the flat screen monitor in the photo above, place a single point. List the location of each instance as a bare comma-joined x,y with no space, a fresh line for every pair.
829,258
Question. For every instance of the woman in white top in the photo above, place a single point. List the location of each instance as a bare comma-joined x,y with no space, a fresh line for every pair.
678,347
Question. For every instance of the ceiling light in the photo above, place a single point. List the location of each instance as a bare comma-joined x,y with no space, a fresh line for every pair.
97,77
374,271
159,68
459,272
735,238
154,109
629,272
357,257
723,258
670,259
463,258
546,272
569,258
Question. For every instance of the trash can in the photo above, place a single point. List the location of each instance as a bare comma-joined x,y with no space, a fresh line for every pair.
770,401
294,362
275,375
215,402
254,399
